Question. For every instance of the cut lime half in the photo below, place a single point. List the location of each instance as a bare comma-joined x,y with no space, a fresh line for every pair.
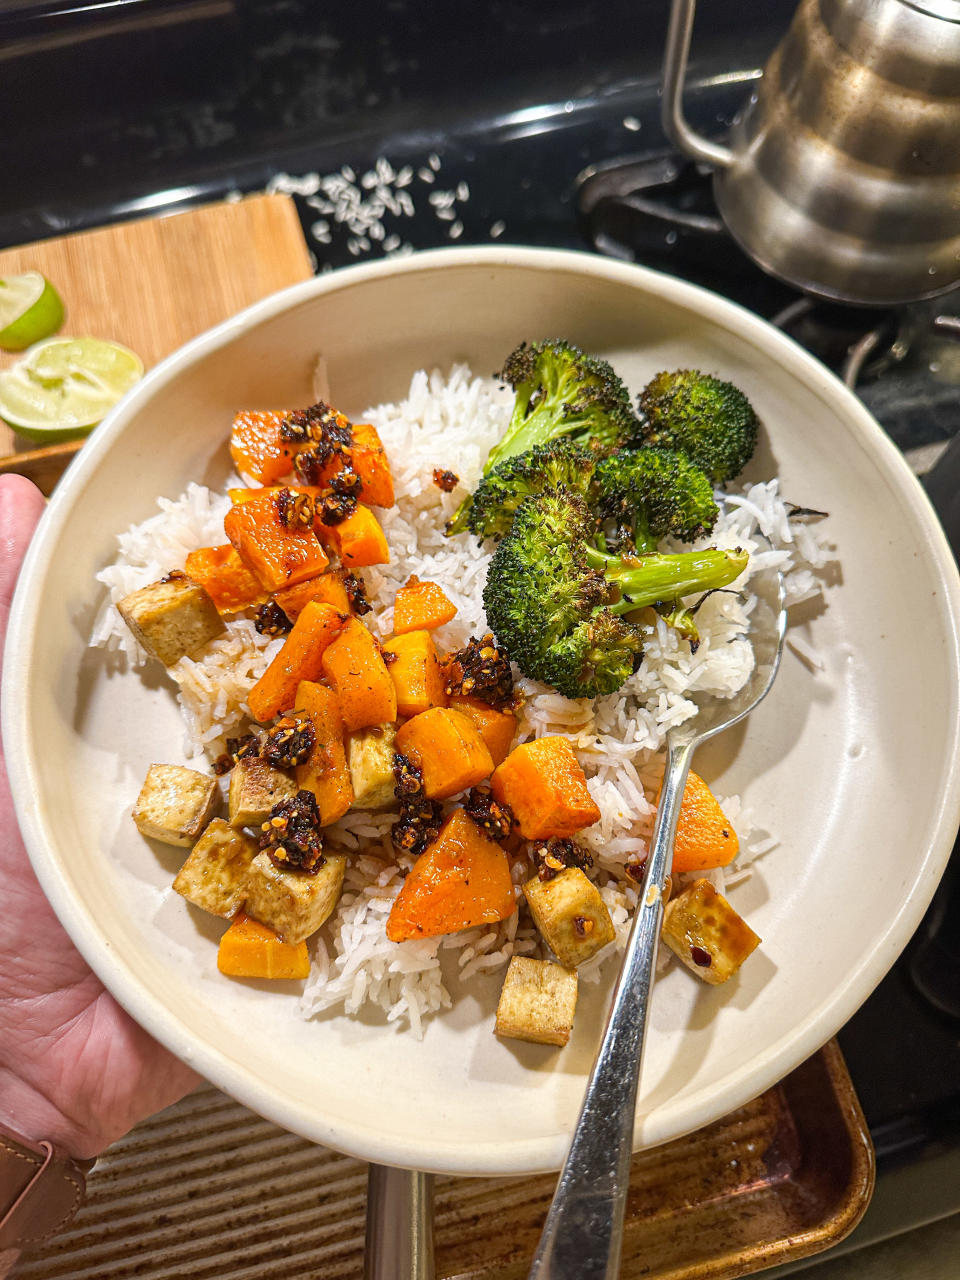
63,387
30,309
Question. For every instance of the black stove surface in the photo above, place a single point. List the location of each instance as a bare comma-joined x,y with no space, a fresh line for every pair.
426,128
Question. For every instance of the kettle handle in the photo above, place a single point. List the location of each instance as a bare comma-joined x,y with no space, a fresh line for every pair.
674,72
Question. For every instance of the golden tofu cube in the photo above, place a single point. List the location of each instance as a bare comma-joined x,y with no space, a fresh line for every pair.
705,933
214,876
171,619
537,1002
570,914
255,787
293,903
370,760
175,804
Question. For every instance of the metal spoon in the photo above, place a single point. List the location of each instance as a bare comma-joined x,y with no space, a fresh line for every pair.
583,1234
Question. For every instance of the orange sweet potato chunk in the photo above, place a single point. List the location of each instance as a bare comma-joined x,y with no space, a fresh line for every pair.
447,748
460,881
543,784
225,578
277,555
497,728
705,837
355,668
327,589
415,672
301,658
358,540
367,457
257,448
325,773
249,949
421,606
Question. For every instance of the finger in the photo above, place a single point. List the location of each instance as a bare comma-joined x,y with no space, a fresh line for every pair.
21,506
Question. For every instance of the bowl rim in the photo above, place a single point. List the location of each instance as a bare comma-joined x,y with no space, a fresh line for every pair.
352,1135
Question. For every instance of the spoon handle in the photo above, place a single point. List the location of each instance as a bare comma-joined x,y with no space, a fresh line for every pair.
583,1234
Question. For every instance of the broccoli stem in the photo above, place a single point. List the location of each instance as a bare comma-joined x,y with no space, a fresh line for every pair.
648,579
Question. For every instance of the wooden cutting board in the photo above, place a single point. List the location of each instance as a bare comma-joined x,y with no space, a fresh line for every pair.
154,284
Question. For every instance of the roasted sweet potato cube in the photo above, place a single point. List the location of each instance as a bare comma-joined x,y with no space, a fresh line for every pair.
249,949
172,619
301,658
537,1002
225,578
705,836
497,728
294,903
462,879
214,876
571,915
358,541
543,784
370,757
175,804
278,555
354,665
255,787
257,446
421,606
328,588
415,672
325,773
705,933
367,457
448,750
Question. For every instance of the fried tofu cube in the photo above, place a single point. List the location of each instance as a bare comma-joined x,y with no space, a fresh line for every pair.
171,620
293,903
570,914
214,876
175,804
370,759
255,787
537,1002
705,933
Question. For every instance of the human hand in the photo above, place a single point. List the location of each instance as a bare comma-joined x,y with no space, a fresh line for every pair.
75,1069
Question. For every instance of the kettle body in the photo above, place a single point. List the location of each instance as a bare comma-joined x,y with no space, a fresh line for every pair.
842,173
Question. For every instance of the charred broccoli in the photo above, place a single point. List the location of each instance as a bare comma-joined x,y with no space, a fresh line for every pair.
560,392
561,463
710,421
652,494
556,598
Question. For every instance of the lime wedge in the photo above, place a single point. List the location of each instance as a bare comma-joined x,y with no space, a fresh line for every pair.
63,387
30,309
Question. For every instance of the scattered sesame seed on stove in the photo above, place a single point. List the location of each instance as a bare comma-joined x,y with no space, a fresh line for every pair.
463,192
426,175
456,230
445,214
497,230
404,177
433,160
391,243
632,123
348,173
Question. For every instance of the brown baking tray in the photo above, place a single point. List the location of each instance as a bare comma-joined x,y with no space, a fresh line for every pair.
209,1191
153,285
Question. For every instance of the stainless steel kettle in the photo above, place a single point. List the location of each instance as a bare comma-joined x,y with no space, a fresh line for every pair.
842,174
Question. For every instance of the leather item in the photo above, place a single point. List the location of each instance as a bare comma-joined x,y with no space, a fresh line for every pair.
40,1190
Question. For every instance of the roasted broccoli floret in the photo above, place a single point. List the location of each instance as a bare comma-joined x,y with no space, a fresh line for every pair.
710,421
653,494
560,392
556,599
542,468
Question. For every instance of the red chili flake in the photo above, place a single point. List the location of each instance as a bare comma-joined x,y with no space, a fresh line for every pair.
445,480
701,957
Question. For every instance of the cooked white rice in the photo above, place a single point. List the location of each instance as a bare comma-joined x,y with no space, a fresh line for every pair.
452,422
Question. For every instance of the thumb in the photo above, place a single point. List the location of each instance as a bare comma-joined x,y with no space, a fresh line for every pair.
21,506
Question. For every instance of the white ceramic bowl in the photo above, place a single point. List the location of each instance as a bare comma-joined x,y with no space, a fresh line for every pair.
852,766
